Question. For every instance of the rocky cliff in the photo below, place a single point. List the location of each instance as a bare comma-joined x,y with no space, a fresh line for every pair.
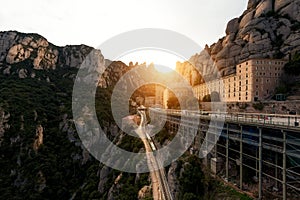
16,47
40,152
41,155
267,29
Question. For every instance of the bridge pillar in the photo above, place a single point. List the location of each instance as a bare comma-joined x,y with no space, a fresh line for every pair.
284,166
276,169
227,152
260,164
241,158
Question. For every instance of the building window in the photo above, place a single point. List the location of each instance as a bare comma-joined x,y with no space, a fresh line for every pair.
246,93
240,66
264,73
247,87
256,86
239,98
256,68
246,75
267,91
246,98
256,93
240,83
246,81
257,80
246,68
240,71
246,63
240,89
267,80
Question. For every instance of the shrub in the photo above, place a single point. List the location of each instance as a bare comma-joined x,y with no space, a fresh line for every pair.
258,106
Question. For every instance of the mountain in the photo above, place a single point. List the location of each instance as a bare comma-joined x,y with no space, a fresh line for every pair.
41,154
266,29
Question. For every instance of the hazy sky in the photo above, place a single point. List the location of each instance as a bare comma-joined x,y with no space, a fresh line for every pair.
92,22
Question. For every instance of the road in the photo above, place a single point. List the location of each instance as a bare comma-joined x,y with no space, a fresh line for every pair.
160,187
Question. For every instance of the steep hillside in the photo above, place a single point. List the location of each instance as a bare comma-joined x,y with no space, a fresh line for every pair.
41,155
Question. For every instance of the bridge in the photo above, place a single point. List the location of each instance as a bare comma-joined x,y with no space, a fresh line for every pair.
258,153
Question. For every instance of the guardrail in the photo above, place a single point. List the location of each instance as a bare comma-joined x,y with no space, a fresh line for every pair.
253,118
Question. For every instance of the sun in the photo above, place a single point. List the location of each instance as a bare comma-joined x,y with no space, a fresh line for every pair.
163,61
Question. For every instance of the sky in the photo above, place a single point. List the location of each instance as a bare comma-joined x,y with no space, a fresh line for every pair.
92,22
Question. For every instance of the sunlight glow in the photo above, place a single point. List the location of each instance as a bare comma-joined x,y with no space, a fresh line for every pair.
163,61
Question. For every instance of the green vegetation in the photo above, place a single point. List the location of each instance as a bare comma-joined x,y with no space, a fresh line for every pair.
215,96
173,103
131,144
188,102
192,179
63,174
295,26
258,106
206,98
226,191
197,184
242,106
271,13
66,173
163,136
58,159
293,67
129,186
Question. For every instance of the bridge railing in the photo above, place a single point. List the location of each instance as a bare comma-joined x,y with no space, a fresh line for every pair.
253,118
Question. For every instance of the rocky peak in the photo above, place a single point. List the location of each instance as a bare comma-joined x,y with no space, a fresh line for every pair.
267,29
29,52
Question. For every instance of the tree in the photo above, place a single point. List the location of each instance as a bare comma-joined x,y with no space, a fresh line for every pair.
173,103
293,67
190,196
206,98
215,97
192,102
